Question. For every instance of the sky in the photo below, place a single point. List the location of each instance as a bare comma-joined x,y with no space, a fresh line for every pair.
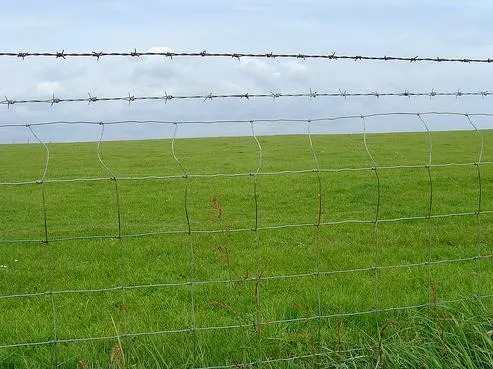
444,28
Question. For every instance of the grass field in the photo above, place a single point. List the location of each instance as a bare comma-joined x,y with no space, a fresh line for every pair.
284,291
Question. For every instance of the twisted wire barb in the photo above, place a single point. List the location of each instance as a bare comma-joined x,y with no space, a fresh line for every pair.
238,55
244,96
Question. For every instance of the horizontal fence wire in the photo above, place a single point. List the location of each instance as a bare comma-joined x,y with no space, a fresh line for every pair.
238,55
233,175
246,121
253,229
241,326
250,279
91,98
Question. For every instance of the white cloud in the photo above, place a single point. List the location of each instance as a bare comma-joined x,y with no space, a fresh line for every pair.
50,87
31,23
294,67
160,49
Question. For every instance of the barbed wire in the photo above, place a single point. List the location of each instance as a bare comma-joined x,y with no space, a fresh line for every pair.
245,96
238,55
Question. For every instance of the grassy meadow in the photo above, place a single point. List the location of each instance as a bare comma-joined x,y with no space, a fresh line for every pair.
260,291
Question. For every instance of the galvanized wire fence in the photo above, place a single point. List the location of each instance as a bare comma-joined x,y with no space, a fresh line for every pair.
319,315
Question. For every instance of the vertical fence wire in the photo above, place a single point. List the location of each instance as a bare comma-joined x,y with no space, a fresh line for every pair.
431,286
193,267
49,248
318,287
480,201
123,305
375,220
258,280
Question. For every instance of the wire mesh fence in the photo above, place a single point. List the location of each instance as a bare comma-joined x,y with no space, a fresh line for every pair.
239,252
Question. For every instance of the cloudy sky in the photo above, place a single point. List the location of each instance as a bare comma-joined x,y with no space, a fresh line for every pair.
382,27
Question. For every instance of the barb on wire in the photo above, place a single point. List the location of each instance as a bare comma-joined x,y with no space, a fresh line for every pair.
246,96
238,55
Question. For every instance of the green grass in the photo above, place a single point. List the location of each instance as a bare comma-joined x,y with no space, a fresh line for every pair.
258,309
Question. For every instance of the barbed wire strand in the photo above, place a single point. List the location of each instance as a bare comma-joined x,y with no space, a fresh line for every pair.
238,55
243,96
